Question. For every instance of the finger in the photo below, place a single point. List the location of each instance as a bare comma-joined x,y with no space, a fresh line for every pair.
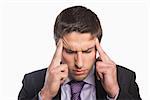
103,64
104,67
58,54
63,76
103,56
56,71
99,76
101,67
63,68
63,72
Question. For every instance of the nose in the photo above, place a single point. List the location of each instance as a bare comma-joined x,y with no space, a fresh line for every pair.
79,60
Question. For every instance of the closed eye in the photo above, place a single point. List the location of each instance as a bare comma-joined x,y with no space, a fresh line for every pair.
87,51
69,51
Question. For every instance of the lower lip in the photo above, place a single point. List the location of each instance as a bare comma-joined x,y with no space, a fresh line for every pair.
79,72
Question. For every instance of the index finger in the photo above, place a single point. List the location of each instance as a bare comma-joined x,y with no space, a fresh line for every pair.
58,54
104,57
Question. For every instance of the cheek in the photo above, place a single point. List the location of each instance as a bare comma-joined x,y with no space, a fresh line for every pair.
90,58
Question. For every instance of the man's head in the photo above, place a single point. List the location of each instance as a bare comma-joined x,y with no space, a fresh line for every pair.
78,19
78,27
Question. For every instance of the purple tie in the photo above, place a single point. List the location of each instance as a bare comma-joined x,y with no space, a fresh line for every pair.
76,87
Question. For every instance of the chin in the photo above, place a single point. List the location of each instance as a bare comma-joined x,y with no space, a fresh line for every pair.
79,78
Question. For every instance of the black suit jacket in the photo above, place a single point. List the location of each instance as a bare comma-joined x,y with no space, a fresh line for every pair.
33,83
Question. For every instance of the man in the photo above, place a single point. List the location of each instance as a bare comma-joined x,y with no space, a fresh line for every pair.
74,72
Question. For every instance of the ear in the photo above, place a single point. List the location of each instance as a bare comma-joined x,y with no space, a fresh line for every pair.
98,59
97,55
95,48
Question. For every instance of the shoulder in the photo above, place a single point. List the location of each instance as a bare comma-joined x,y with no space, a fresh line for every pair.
36,73
125,75
35,79
121,70
33,82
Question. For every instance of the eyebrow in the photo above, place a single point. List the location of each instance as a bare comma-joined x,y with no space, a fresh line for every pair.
76,51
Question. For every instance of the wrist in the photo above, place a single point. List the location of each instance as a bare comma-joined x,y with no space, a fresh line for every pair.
45,95
114,92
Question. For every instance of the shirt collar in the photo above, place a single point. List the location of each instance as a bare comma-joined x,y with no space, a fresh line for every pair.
90,79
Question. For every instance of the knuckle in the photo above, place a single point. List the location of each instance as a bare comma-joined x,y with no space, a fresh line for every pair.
97,63
53,71
97,68
113,66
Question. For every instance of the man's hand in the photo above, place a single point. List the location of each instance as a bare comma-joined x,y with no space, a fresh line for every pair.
106,72
55,75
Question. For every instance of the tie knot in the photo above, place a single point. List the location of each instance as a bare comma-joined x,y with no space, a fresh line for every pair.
76,86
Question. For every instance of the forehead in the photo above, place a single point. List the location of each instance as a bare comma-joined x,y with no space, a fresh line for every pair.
78,41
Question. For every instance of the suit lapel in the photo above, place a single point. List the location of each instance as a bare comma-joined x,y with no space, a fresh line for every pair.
100,92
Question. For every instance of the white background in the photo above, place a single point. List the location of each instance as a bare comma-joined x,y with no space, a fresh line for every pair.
27,42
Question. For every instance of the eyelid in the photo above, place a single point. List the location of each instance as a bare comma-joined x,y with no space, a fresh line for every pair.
85,51
69,50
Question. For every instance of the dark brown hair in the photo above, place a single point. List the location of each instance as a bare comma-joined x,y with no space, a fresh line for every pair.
78,19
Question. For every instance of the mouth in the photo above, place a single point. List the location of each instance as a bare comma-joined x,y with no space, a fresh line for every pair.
79,72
